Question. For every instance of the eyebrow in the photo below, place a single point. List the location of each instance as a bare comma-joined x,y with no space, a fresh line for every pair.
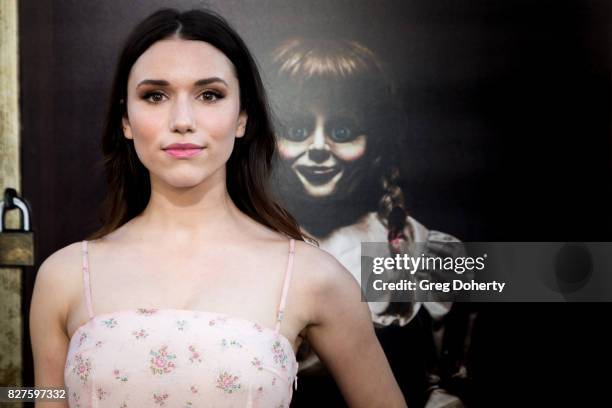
163,82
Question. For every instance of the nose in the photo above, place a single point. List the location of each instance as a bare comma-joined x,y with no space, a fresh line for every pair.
182,119
319,150
319,140
318,155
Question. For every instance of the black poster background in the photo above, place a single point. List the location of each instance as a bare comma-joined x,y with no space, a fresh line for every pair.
507,138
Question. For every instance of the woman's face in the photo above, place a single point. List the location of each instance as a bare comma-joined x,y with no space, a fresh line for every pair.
321,147
183,111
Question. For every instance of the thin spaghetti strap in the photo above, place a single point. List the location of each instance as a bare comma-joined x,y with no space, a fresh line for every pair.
283,299
86,285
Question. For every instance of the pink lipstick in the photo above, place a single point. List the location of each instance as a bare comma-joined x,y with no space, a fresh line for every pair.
183,150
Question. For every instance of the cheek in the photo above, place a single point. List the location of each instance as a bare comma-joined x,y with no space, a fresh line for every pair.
219,127
218,123
146,131
146,125
289,150
351,151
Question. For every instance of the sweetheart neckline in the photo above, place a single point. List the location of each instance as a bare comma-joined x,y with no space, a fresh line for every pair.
226,315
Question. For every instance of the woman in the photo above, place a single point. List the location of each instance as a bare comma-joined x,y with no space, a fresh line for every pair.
180,297
341,150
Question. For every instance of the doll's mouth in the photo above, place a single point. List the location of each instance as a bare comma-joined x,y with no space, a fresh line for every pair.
318,174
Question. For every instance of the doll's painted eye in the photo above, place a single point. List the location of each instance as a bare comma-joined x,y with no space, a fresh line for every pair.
297,134
343,129
298,130
341,134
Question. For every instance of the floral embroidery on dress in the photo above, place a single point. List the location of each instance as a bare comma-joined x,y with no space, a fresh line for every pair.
110,323
180,324
280,357
257,363
100,393
195,355
140,334
216,320
233,342
76,398
82,338
160,399
82,367
146,312
123,405
188,404
119,375
161,361
258,396
193,389
228,382
257,327
99,343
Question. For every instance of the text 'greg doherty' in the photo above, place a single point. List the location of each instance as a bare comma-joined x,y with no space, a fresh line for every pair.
425,285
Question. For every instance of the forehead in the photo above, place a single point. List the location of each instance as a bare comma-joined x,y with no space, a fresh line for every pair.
177,60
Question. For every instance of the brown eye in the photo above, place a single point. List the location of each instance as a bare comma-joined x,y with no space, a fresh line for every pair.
211,96
153,97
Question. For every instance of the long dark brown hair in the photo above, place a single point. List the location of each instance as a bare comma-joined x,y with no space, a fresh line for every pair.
250,164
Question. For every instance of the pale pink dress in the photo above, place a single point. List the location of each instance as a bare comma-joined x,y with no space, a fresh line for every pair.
179,358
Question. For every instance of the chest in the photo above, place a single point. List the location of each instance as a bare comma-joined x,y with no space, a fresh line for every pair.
207,280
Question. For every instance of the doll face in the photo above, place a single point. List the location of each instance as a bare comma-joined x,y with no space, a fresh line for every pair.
183,92
321,147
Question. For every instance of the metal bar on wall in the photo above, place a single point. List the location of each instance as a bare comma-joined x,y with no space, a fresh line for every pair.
11,319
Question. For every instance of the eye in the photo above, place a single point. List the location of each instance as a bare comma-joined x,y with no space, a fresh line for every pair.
297,133
343,130
298,128
211,96
342,134
153,97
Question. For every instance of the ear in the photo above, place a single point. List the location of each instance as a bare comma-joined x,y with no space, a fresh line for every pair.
127,129
242,122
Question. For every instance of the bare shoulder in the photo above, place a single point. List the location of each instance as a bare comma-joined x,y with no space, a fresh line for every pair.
63,264
323,268
59,279
54,288
324,280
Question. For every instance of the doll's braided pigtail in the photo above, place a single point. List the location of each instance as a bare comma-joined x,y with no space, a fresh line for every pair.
393,214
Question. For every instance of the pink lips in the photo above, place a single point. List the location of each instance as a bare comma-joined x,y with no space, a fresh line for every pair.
181,153
183,150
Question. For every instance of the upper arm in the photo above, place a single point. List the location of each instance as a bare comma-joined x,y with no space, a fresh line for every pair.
48,312
342,335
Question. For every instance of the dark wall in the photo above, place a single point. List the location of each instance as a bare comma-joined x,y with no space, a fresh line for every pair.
508,136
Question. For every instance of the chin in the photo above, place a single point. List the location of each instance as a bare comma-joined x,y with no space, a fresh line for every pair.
185,181
319,192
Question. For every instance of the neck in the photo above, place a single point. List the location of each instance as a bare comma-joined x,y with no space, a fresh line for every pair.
182,215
